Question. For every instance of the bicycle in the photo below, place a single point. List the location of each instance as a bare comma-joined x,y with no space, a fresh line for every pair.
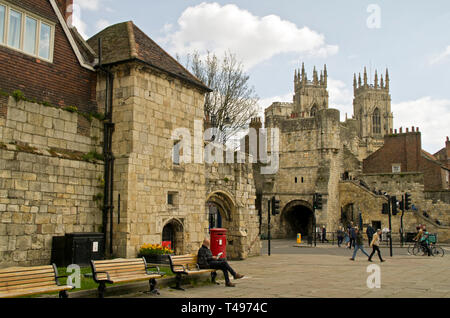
436,250
411,246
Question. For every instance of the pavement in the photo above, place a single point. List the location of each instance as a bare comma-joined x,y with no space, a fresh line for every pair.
325,271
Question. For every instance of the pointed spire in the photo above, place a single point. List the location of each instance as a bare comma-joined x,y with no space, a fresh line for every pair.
359,80
376,79
382,81
304,77
315,79
321,78
387,79
365,76
354,81
325,75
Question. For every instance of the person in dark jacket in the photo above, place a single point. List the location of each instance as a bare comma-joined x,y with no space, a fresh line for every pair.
359,244
340,236
206,260
352,235
370,232
324,234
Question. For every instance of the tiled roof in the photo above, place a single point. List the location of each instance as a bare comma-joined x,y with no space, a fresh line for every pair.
125,42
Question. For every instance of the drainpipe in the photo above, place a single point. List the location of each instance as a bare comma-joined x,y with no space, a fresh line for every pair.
108,156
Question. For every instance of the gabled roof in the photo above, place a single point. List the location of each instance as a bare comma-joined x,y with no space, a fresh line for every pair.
432,158
124,42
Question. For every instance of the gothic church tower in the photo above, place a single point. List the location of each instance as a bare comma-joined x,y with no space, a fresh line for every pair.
372,106
310,95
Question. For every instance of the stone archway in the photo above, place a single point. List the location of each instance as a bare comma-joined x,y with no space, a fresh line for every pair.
297,217
221,202
173,231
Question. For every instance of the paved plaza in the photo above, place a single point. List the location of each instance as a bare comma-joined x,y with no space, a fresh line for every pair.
326,272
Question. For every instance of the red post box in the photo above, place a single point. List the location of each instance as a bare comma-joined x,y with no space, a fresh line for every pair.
218,242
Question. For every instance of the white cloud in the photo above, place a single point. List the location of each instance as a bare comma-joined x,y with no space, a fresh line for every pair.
340,97
102,24
77,15
88,4
430,115
438,58
78,22
210,26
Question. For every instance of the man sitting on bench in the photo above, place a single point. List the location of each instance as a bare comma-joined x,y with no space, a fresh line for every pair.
206,260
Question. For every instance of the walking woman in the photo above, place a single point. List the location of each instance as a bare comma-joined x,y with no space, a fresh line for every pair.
359,244
376,245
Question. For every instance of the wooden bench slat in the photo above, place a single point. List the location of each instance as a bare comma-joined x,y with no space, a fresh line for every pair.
133,278
33,291
25,286
25,269
28,276
119,260
12,282
113,267
26,273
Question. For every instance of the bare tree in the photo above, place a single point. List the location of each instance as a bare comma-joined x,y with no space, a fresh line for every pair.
232,103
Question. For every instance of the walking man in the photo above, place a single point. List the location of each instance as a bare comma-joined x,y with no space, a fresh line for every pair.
370,232
351,234
359,244
324,234
340,236
375,244
205,259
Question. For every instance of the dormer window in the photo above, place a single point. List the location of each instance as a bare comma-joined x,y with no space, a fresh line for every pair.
25,32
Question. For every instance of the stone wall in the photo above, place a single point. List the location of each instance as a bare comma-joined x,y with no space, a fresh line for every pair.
48,182
148,106
399,183
234,183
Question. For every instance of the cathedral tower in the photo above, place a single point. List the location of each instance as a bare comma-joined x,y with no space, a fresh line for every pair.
310,95
372,106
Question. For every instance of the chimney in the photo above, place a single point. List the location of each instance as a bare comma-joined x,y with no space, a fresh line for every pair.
67,11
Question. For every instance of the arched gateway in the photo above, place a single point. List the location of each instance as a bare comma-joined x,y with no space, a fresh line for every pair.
297,217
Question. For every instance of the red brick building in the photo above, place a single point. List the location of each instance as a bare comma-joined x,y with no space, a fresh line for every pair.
43,57
443,155
403,153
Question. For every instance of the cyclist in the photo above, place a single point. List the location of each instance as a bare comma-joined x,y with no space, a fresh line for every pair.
424,240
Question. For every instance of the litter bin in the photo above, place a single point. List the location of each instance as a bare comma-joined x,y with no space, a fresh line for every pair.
219,242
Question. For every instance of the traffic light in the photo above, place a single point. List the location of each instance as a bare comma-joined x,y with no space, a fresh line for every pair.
317,201
385,209
407,201
275,206
394,205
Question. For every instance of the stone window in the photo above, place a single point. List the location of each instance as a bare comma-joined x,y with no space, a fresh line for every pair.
26,32
176,152
313,111
376,121
172,199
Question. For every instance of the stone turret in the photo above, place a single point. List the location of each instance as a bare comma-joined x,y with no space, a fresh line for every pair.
310,95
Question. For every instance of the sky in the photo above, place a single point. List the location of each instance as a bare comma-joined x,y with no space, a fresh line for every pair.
273,37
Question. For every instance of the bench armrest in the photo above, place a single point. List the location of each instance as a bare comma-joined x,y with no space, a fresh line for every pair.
95,276
178,271
153,266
